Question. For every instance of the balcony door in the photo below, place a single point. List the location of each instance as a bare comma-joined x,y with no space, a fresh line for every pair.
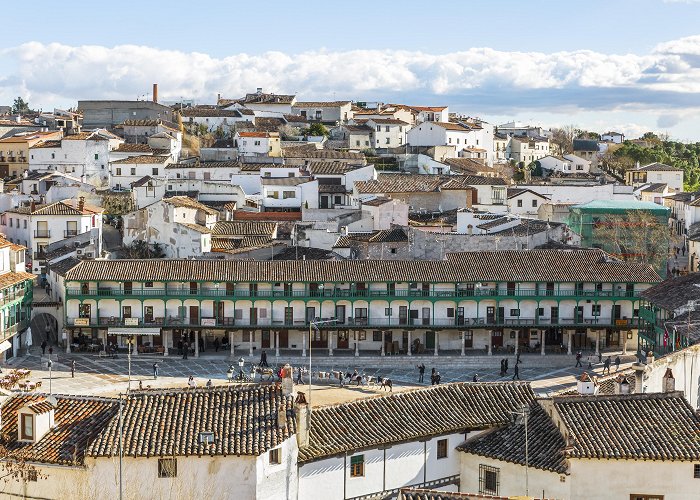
71,228
194,315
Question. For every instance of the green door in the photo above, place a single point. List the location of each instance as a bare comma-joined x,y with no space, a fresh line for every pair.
430,340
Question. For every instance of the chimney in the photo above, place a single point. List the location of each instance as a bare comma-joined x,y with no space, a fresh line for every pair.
81,203
218,98
155,92
621,385
638,377
287,381
668,383
585,385
302,413
258,90
32,205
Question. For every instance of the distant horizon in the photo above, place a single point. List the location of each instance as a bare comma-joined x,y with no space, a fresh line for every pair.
631,66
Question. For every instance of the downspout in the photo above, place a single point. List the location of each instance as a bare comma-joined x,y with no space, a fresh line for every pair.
345,473
425,462
384,473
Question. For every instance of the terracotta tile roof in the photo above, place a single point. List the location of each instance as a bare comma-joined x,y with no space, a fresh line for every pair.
652,426
244,228
332,188
322,154
675,292
133,148
46,144
268,98
375,202
151,123
65,207
407,183
514,192
295,118
412,415
253,134
155,159
545,442
12,278
195,227
388,121
243,420
306,253
421,494
320,104
244,244
454,127
78,421
358,129
397,235
466,165
187,202
331,168
657,187
199,112
284,181
40,406
656,167
566,266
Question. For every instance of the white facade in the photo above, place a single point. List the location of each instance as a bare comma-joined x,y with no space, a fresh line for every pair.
555,164
388,133
257,143
525,202
329,112
614,137
290,193
123,173
558,193
463,138
578,165
525,150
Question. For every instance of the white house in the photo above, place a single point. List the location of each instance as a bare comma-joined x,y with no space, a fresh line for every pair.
125,172
463,136
655,173
388,132
525,150
525,201
85,155
180,225
578,165
555,164
266,104
213,117
288,194
258,143
431,113
138,131
614,137
324,111
37,226
590,446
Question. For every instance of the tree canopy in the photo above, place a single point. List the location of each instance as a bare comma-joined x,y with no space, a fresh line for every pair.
19,106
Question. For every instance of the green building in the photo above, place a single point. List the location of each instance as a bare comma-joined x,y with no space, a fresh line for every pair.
635,231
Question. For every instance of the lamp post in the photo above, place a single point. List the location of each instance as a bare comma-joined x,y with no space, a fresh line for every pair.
241,363
313,325
521,417
129,341
50,364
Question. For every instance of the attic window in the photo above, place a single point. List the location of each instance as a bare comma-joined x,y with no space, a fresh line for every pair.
27,426
206,438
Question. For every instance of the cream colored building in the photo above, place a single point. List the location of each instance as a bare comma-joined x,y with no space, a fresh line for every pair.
14,151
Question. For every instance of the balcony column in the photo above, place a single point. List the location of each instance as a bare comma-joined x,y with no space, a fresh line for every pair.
230,342
570,342
437,341
517,342
597,342
542,342
357,344
165,335
489,332
277,344
408,348
382,349
624,342
330,342
464,334
303,345
196,344
250,342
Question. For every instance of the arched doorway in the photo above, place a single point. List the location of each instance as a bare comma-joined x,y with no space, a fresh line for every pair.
44,327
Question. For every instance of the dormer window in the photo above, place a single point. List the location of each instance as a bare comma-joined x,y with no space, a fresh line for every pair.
27,427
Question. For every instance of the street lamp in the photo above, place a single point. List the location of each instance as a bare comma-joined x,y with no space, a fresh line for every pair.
314,325
230,372
521,417
241,363
129,341
50,364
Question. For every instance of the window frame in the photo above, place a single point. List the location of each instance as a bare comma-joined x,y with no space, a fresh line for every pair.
441,448
357,465
484,486
167,467
274,457
25,417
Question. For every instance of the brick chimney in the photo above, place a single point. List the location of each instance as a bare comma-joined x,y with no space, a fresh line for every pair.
621,385
302,413
32,206
668,382
81,203
155,92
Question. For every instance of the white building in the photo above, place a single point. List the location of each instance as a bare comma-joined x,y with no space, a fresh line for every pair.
123,173
85,155
36,226
525,201
324,111
288,194
215,118
614,137
578,165
655,173
466,137
555,164
257,143
525,150
265,104
388,132
431,113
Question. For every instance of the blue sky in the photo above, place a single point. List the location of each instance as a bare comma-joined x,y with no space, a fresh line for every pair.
627,64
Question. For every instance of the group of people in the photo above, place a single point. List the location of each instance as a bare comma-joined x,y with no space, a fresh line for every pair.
184,346
434,375
606,364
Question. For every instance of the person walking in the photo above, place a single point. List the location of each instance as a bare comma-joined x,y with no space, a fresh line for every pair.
421,372
179,347
72,369
503,367
432,376
50,352
185,349
475,378
517,358
216,344
263,358
516,372
617,363
155,370
606,365
43,347
579,355
300,380
600,357
437,378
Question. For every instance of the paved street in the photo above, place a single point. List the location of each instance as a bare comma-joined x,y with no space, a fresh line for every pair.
97,375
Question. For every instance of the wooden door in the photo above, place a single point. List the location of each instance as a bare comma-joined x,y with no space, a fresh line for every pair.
343,339
497,338
310,314
425,288
128,287
220,317
501,315
253,289
554,315
403,315
490,315
148,314
283,338
265,342
126,311
193,288
617,312
426,315
550,289
253,315
194,315
460,316
413,317
230,288
511,288
340,315
288,315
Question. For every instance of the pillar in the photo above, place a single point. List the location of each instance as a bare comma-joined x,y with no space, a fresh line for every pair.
570,343
542,342
277,344
517,343
408,349
597,342
2,332
303,345
134,346
165,335
330,343
250,343
437,341
382,352
104,342
357,347
624,343
489,344
196,344
464,334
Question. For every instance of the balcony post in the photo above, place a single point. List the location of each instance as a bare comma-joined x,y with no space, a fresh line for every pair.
230,341
250,343
408,348
597,342
382,350
196,344
303,346
490,334
571,341
165,335
357,345
464,334
517,342
624,342
330,342
541,342
277,344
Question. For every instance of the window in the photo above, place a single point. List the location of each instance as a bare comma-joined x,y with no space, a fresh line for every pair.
579,167
637,496
376,336
595,310
257,143
274,456
388,140
133,170
273,194
25,223
450,312
540,311
387,311
32,475
10,221
379,128
149,284
534,203
357,143
392,250
441,448
97,157
154,171
520,203
27,423
696,471
167,467
488,480
357,466
515,312
205,437
289,194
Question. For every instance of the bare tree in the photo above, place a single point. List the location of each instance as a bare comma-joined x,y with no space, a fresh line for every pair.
563,138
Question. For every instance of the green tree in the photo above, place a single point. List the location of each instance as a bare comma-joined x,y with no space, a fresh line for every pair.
317,129
20,106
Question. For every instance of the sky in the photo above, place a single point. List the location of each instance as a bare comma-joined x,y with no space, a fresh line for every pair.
625,65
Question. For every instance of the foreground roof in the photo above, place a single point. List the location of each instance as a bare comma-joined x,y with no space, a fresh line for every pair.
405,183
243,420
589,265
657,167
674,293
244,228
412,415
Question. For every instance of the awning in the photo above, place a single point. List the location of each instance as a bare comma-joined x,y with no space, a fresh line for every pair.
133,331
4,346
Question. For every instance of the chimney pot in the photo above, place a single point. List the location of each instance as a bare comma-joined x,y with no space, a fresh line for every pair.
302,413
155,92
81,203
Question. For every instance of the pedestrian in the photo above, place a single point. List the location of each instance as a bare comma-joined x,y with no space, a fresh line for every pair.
579,355
475,378
50,352
263,358
432,376
300,380
186,348
209,384
421,372
517,358
516,372
201,343
617,363
216,344
179,347
155,370
606,365
600,357
503,365
191,383
72,369
140,385
437,378
43,347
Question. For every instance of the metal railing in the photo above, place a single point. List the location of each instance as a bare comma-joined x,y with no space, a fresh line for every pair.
42,233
